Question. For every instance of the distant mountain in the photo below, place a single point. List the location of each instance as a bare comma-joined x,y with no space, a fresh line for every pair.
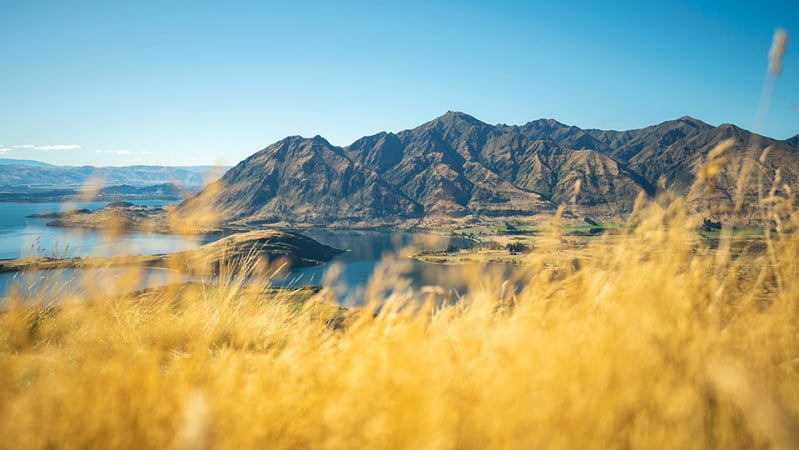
456,166
15,173
167,191
23,162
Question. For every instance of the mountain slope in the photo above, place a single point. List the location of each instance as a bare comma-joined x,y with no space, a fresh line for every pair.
307,181
456,166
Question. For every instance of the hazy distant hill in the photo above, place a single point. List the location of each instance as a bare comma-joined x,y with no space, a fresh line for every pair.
23,162
33,174
458,166
166,191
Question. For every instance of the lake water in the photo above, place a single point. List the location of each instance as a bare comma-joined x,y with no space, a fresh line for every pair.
379,256
382,258
23,236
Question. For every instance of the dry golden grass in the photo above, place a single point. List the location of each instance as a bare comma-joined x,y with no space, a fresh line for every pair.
656,341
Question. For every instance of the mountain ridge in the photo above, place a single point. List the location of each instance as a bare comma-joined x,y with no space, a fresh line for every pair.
29,173
458,167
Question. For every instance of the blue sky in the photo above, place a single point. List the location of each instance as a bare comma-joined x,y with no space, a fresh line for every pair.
193,82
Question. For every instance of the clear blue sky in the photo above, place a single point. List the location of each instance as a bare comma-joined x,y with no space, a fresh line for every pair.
194,82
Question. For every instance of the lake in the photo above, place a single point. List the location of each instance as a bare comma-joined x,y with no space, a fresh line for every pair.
23,236
381,256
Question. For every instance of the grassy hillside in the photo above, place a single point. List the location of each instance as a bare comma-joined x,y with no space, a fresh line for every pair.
656,339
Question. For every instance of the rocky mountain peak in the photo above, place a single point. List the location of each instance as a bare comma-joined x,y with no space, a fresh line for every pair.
545,125
694,123
452,120
457,116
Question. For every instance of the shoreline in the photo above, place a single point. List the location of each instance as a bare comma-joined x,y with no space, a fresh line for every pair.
257,248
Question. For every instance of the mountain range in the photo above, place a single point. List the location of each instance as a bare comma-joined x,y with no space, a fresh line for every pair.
457,167
33,174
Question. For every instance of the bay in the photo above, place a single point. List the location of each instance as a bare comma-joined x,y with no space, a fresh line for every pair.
376,264
22,236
